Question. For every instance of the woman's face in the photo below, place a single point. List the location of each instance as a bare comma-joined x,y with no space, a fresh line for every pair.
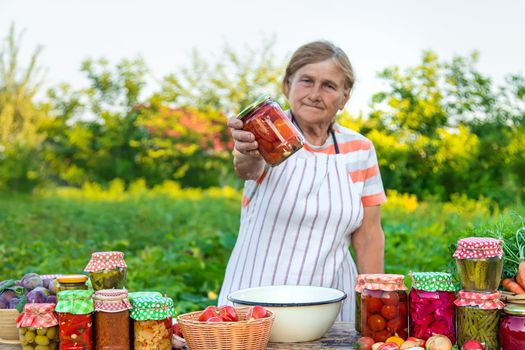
316,92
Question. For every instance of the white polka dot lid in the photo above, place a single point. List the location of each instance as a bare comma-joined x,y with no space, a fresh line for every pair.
105,261
478,248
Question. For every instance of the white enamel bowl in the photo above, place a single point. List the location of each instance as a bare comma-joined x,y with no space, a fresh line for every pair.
302,313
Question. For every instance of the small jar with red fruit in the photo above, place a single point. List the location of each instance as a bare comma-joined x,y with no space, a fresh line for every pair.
384,307
478,316
512,327
431,305
360,283
152,325
276,135
75,317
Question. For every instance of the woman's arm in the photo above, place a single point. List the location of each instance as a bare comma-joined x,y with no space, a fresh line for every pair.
368,242
247,160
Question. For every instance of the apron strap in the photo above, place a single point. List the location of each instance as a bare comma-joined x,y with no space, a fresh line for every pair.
336,146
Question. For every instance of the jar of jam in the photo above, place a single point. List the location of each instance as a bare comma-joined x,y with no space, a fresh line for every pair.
38,327
431,305
152,325
69,282
384,307
112,319
75,308
512,327
107,270
277,137
478,317
479,261
360,282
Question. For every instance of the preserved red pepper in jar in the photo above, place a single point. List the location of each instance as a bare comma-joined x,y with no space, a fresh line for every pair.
384,307
75,308
107,270
112,319
38,327
276,135
152,325
431,305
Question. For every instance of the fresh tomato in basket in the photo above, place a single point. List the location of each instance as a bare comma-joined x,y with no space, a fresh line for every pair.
209,312
256,312
228,314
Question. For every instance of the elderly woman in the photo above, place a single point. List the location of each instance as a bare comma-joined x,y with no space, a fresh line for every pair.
300,217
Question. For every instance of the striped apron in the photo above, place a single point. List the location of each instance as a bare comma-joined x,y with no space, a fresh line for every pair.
296,225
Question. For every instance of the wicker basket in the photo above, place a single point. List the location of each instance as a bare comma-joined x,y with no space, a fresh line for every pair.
241,335
8,330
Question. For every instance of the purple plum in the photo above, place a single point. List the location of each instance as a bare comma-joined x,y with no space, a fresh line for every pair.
13,302
36,296
8,295
31,280
52,299
53,287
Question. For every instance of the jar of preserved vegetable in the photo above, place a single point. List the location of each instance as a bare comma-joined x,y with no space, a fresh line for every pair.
478,317
479,261
512,327
360,283
75,308
112,319
384,307
276,135
431,305
107,270
38,327
152,325
69,282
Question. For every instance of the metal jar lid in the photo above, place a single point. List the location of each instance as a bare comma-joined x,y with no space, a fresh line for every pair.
252,106
515,309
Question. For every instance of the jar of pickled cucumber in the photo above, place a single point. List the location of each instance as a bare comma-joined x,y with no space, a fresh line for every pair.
360,282
478,316
38,327
276,135
107,270
69,282
75,308
431,305
512,327
384,307
152,322
112,319
479,261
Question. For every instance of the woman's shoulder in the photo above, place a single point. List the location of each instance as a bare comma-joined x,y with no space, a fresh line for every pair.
351,137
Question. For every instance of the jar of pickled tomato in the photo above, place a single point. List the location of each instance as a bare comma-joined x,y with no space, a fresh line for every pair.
276,135
431,305
360,283
512,327
384,307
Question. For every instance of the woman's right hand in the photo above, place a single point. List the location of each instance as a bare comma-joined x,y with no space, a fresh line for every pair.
247,160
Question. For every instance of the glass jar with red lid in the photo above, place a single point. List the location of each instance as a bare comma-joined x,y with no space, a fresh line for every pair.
512,327
112,319
75,309
360,283
276,135
38,326
384,307
107,270
431,305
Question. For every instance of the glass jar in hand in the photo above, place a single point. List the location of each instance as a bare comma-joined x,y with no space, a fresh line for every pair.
107,270
277,137
384,307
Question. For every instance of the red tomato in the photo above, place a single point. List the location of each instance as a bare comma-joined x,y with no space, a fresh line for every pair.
228,314
389,312
284,129
373,305
209,312
376,323
214,319
402,333
382,335
402,310
390,298
392,325
256,312
261,128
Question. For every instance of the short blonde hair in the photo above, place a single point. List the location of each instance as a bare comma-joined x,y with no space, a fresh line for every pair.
318,51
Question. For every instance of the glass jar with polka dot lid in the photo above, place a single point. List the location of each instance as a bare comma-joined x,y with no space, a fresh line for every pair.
479,262
107,270
112,319
152,322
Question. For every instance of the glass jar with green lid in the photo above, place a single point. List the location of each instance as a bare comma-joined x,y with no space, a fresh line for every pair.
70,282
512,327
478,316
75,317
152,325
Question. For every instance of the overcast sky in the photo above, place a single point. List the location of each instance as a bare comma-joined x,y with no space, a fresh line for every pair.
375,34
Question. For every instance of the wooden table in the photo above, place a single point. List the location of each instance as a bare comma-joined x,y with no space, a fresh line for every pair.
338,337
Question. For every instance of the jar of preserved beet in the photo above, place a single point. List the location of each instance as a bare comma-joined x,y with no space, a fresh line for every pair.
112,319
38,327
70,282
152,325
384,307
276,135
107,270
431,305
478,316
75,308
512,327
479,261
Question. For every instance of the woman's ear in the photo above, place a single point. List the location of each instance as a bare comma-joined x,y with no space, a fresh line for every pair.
346,97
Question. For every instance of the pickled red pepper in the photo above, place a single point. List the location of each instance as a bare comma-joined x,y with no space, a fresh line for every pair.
75,308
